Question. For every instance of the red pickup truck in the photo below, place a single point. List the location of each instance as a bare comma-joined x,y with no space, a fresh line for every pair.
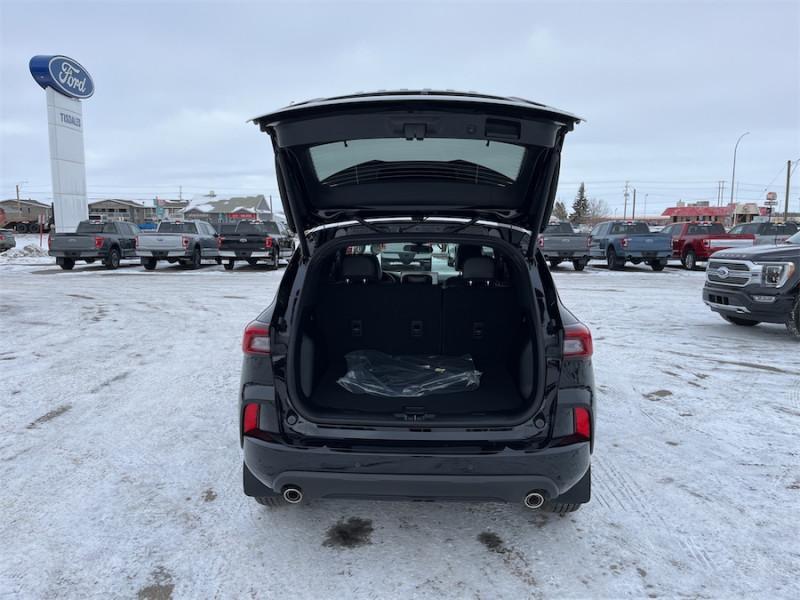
696,242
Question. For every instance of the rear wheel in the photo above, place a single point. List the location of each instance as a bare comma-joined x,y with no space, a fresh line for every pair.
579,264
149,263
66,263
196,259
229,265
560,508
690,260
219,260
113,258
793,322
613,261
740,322
554,262
275,501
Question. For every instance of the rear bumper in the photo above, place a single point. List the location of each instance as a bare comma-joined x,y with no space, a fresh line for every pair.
737,302
506,475
161,253
648,255
245,254
77,254
565,254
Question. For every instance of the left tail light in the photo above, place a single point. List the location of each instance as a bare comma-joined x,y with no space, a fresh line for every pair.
256,339
707,244
578,341
541,242
185,241
268,242
136,242
589,242
98,242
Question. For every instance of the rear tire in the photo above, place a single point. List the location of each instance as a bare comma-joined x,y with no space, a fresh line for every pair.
554,262
112,260
197,259
560,509
66,263
689,260
613,261
275,501
793,322
579,264
149,263
229,265
740,322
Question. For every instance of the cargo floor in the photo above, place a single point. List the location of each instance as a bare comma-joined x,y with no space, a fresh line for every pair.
497,393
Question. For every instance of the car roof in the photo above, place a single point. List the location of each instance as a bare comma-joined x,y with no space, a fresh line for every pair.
403,95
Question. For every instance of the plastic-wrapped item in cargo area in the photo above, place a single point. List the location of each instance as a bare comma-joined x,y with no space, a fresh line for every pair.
379,374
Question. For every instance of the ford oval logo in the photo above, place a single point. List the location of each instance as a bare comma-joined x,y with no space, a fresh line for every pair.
723,272
63,74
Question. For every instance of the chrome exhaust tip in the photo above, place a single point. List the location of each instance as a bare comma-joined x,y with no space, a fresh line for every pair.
534,500
292,494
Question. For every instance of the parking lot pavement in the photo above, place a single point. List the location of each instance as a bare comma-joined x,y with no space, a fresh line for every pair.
121,466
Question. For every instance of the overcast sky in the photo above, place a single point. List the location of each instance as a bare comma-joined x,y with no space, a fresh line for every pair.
666,88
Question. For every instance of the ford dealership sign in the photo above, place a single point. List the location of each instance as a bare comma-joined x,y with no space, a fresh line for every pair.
64,75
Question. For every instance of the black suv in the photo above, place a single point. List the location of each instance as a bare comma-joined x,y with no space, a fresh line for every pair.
468,382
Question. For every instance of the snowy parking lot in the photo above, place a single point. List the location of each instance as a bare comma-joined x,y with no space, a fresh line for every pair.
121,465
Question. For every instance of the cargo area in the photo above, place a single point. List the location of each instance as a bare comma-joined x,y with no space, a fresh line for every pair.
472,311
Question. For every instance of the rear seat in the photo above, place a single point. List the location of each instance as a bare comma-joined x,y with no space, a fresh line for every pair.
474,314
480,313
353,310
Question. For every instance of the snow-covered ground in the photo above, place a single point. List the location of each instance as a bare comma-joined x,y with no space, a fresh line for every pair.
121,468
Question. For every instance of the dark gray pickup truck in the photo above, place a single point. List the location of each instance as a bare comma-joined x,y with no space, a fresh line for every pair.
93,240
761,284
560,242
254,241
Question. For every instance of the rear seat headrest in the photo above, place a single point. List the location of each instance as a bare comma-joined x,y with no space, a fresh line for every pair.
361,268
479,267
464,252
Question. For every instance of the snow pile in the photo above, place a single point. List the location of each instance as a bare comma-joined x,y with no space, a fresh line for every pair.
29,251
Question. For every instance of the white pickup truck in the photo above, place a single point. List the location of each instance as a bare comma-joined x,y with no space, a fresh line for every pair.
186,242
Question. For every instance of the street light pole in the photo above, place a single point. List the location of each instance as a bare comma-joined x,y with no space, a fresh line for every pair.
733,173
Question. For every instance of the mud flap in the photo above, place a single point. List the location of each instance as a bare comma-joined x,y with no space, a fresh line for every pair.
252,486
580,493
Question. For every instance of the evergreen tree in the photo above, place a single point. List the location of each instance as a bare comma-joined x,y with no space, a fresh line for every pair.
580,207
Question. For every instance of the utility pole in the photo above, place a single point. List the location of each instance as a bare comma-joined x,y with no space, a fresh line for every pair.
633,212
180,193
625,211
788,179
721,192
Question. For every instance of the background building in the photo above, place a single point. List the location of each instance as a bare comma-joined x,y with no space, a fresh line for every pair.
225,209
23,215
115,209
730,215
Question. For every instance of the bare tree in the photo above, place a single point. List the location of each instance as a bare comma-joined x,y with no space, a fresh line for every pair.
596,210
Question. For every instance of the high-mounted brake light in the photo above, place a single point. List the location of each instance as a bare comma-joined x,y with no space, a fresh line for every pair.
250,419
98,242
256,339
583,423
268,242
577,341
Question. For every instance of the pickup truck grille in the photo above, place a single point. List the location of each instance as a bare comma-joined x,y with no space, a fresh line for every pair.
728,272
